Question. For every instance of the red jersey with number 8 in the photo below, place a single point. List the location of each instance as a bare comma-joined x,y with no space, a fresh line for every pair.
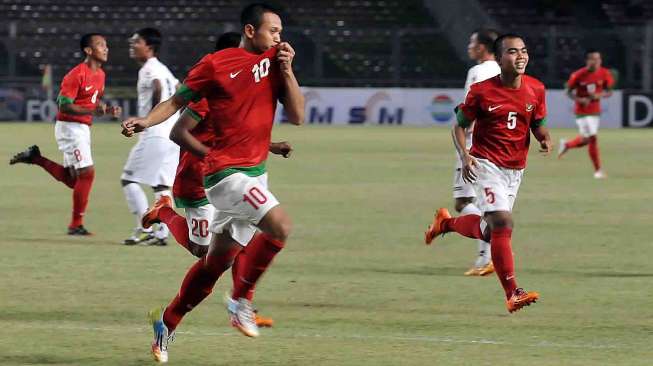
241,89
503,118
83,87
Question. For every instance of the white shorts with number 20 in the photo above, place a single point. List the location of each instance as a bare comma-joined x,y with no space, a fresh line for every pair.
74,141
496,187
241,202
198,220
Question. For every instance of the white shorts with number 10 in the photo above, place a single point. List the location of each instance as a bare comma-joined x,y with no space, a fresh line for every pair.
241,202
496,187
198,220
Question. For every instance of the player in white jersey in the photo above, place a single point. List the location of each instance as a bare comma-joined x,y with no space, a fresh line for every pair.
153,160
480,49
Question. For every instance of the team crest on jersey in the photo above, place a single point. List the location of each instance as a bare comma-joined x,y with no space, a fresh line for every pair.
529,107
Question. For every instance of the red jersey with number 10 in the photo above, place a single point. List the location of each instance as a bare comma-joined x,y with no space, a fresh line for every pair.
83,87
188,189
241,89
503,118
585,82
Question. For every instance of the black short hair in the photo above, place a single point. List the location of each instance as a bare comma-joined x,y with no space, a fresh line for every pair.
486,37
253,14
86,39
228,40
152,38
591,50
498,43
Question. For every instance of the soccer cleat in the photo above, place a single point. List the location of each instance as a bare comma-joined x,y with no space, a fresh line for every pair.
162,337
242,316
79,230
27,156
481,271
152,215
156,242
435,228
599,174
562,148
521,298
262,322
139,236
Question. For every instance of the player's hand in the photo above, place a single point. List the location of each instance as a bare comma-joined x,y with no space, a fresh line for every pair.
100,110
469,166
133,125
546,146
115,111
583,100
285,55
281,148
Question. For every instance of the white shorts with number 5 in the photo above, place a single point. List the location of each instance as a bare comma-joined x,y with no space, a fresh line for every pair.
496,187
241,202
198,220
588,125
74,141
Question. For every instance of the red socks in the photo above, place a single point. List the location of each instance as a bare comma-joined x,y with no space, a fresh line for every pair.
261,250
57,171
197,285
468,225
81,191
176,224
576,142
593,150
502,258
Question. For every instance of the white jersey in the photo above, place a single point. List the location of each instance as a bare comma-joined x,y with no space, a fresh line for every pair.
152,70
483,71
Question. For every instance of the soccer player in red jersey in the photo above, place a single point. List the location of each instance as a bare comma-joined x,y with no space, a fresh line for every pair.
79,101
506,109
586,86
242,87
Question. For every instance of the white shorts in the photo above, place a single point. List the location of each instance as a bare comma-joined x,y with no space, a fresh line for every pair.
241,202
461,189
152,161
198,220
74,140
496,187
588,125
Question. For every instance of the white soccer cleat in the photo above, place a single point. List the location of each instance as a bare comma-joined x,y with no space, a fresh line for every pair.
562,148
161,335
599,174
242,316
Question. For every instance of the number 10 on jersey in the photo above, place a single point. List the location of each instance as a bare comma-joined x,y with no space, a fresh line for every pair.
261,69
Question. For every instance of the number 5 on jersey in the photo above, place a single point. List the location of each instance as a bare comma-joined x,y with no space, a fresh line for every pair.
512,120
261,69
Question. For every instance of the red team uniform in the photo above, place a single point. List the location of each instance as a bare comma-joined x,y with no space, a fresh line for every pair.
83,87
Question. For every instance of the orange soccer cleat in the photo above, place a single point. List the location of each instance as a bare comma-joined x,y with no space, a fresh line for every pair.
151,217
521,298
435,228
263,322
481,271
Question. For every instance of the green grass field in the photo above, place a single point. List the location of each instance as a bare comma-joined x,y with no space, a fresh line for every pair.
355,285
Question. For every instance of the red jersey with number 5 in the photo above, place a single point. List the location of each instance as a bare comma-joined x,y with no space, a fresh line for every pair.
586,82
188,188
241,89
83,87
503,118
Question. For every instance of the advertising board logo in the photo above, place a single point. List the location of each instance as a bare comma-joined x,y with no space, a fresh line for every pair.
441,108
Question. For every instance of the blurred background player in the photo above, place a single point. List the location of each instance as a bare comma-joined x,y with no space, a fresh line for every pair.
479,50
78,101
586,86
506,109
153,160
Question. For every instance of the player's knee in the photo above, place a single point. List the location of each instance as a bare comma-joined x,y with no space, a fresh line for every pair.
500,220
460,203
198,250
281,230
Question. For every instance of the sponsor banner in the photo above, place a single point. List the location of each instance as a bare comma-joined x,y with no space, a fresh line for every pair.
638,109
12,104
424,107
46,110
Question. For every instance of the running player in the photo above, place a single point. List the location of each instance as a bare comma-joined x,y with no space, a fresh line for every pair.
479,50
153,160
586,87
242,87
79,100
505,108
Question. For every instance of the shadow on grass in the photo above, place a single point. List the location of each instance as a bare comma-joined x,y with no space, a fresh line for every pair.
47,359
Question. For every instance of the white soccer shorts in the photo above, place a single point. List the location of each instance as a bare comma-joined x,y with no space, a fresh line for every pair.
496,187
152,161
588,125
461,189
198,220
74,140
241,202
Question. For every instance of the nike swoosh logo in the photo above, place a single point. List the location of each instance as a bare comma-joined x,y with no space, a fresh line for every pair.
88,87
491,108
233,75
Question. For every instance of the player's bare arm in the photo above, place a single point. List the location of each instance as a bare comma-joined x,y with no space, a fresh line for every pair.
282,148
541,133
469,163
181,135
293,99
157,115
156,92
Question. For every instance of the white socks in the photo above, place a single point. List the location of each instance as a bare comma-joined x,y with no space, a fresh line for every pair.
136,201
484,254
162,230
